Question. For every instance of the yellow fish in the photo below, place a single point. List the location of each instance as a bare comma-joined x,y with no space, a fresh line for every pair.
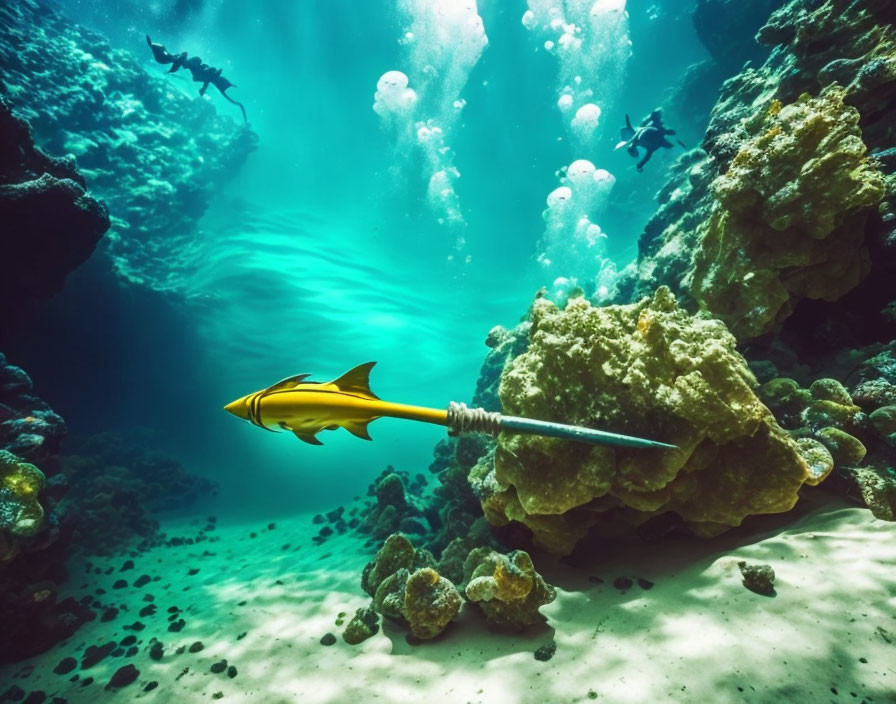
307,407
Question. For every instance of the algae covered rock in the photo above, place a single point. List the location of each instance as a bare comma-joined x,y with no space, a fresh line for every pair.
506,587
647,369
789,223
363,625
21,514
884,421
406,587
878,489
758,578
430,603
396,553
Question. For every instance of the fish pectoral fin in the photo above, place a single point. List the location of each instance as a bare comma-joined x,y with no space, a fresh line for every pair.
307,437
357,381
358,428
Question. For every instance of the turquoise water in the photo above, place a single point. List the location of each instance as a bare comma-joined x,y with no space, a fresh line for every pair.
328,249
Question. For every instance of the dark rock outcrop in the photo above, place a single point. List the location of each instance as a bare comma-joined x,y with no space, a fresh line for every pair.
50,224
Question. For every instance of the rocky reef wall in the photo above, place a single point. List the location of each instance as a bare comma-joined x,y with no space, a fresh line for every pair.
790,200
154,155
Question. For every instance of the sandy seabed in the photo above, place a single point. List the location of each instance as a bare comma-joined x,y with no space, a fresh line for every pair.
694,634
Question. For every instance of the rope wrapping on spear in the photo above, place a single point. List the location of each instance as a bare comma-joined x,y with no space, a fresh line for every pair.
462,419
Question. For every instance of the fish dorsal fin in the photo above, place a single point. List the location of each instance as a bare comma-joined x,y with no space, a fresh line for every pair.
358,428
307,437
287,383
356,381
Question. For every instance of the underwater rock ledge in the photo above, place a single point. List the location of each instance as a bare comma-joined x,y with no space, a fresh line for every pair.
51,225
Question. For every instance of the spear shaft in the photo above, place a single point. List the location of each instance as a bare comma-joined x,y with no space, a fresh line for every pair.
460,418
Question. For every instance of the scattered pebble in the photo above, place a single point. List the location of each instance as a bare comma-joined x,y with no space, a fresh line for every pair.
150,686
65,666
758,578
109,614
128,565
95,653
196,647
120,584
177,626
328,639
546,652
622,583
142,580
193,571
644,583
156,650
231,672
148,610
123,676
218,667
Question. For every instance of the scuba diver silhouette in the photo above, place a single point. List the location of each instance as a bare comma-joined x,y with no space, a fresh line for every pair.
650,136
202,72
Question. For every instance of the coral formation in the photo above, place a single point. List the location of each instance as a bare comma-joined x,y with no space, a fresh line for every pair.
790,218
28,426
878,490
117,483
21,514
406,587
153,154
430,603
782,207
506,587
33,538
51,224
647,369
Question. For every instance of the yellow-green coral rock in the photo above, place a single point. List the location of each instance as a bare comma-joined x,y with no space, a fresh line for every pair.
878,487
846,450
397,553
884,421
21,514
647,369
430,603
830,390
506,587
818,458
388,598
788,224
